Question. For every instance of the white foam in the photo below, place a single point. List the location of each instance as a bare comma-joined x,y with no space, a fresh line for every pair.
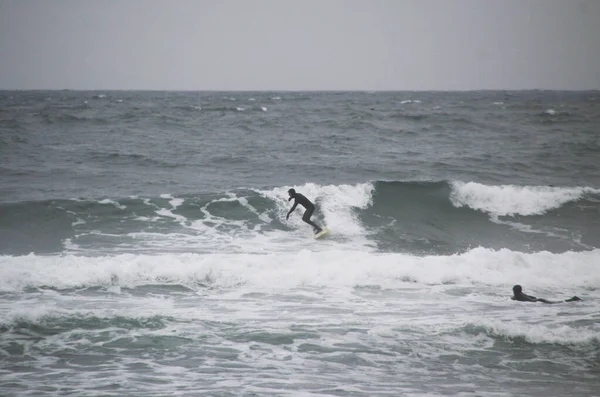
167,213
70,246
540,333
146,218
244,202
79,221
176,202
55,305
512,199
285,270
551,232
111,202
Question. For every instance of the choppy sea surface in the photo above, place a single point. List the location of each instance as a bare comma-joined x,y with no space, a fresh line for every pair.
145,251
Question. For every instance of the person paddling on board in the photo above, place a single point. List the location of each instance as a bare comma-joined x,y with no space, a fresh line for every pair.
518,295
306,203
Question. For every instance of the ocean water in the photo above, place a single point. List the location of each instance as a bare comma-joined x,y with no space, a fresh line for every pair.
144,248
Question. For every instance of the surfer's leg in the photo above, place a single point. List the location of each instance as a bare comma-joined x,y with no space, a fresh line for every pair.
306,218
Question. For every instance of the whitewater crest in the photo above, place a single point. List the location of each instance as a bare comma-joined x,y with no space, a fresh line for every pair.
514,200
340,268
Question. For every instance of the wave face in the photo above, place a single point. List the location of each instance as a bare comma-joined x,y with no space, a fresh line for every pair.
385,216
450,217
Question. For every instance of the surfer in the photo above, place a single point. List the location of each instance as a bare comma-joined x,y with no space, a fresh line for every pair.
306,203
518,295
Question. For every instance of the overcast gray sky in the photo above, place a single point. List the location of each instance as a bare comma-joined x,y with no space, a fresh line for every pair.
300,44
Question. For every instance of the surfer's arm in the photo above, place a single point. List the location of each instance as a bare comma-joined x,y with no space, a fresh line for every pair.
291,210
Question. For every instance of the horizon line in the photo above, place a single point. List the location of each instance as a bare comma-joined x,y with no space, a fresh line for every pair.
302,90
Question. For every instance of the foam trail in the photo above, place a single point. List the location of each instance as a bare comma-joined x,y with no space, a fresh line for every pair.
175,202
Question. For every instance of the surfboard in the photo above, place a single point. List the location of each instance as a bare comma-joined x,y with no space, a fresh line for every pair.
322,232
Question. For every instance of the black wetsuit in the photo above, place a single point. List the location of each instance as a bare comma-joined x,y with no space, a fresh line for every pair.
310,208
528,298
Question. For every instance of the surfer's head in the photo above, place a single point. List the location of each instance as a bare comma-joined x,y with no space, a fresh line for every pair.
292,192
517,290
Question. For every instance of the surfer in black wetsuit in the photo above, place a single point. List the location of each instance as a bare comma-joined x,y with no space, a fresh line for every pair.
306,203
518,295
